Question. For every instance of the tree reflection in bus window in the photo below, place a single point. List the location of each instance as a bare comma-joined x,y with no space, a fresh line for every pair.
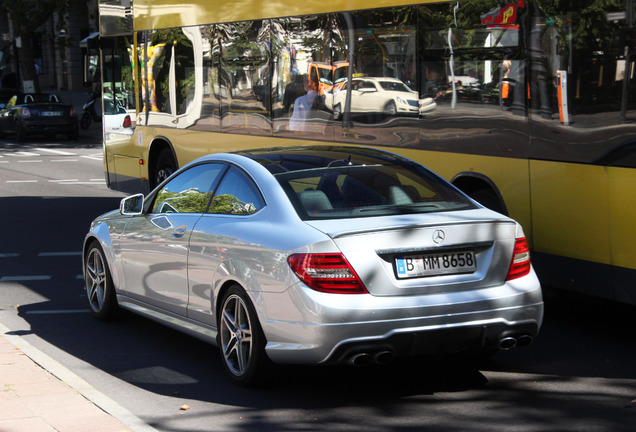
245,77
167,61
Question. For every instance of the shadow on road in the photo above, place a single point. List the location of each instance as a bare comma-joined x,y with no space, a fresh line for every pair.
581,339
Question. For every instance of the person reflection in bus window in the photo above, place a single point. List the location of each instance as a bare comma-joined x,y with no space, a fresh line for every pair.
303,105
293,91
433,80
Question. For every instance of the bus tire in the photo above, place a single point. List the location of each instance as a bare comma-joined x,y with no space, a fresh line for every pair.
165,166
488,199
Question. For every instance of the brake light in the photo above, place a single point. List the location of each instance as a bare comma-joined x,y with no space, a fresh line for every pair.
520,265
127,122
329,273
26,113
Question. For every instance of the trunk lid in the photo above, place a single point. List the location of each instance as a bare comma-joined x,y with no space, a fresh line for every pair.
426,253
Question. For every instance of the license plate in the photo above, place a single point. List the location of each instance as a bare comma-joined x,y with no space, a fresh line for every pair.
432,264
51,114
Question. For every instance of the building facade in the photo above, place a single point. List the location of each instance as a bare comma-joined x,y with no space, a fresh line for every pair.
58,56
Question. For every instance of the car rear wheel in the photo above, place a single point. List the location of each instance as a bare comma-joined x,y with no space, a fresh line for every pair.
241,338
100,290
20,135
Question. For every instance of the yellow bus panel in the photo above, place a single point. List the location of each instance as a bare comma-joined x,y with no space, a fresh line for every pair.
155,14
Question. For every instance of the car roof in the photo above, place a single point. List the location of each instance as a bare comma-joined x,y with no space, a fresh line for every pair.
287,159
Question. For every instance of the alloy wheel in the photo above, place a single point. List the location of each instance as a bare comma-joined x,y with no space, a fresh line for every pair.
95,277
236,335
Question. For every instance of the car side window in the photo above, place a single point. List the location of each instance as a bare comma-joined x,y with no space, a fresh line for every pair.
236,195
190,191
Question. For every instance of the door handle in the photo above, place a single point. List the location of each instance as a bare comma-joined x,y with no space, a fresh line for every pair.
179,231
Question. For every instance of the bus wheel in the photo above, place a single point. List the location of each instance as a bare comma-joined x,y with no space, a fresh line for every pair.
488,199
165,166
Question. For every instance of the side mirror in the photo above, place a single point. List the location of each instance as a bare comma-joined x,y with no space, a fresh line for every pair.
132,205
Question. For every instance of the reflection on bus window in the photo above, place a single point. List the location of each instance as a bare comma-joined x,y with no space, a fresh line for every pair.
118,86
303,77
245,77
170,76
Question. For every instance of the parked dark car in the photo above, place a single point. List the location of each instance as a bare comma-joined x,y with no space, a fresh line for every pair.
29,114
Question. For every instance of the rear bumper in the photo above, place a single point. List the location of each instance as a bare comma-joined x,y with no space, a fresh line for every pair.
343,326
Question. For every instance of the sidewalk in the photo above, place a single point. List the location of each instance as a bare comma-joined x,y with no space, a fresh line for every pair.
37,394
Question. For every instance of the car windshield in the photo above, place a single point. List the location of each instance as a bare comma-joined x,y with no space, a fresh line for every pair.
322,187
395,86
40,98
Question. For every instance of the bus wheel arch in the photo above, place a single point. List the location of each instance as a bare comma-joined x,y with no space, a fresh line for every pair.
162,161
482,189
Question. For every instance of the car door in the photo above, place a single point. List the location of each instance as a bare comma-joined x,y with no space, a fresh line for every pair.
223,243
154,246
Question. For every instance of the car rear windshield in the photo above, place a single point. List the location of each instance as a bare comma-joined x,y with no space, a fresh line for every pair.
369,190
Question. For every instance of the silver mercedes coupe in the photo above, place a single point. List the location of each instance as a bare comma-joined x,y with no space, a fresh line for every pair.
315,255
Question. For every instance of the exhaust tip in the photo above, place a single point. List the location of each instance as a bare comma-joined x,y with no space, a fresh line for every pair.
507,343
524,340
360,359
383,357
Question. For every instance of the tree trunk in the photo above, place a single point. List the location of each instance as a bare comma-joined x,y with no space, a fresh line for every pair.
27,62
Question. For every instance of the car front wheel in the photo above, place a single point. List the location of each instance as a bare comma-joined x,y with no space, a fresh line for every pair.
100,290
241,338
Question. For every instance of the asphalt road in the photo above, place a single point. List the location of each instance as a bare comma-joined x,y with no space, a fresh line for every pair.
579,375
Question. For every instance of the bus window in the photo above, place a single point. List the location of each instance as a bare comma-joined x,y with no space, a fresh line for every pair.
303,75
245,77
383,102
168,75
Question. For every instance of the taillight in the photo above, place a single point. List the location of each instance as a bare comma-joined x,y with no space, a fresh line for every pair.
73,112
26,113
127,122
330,273
520,265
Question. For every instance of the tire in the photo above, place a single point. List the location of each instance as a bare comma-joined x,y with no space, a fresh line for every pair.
241,339
100,290
73,136
85,120
488,199
390,109
20,135
164,168
337,112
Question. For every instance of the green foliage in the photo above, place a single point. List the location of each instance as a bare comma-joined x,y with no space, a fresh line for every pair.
190,201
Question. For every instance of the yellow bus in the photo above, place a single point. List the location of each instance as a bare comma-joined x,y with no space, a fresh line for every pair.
525,105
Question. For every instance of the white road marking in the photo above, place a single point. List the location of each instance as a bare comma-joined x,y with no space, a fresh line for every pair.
30,161
63,160
24,278
58,152
9,255
22,181
23,153
57,312
58,254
